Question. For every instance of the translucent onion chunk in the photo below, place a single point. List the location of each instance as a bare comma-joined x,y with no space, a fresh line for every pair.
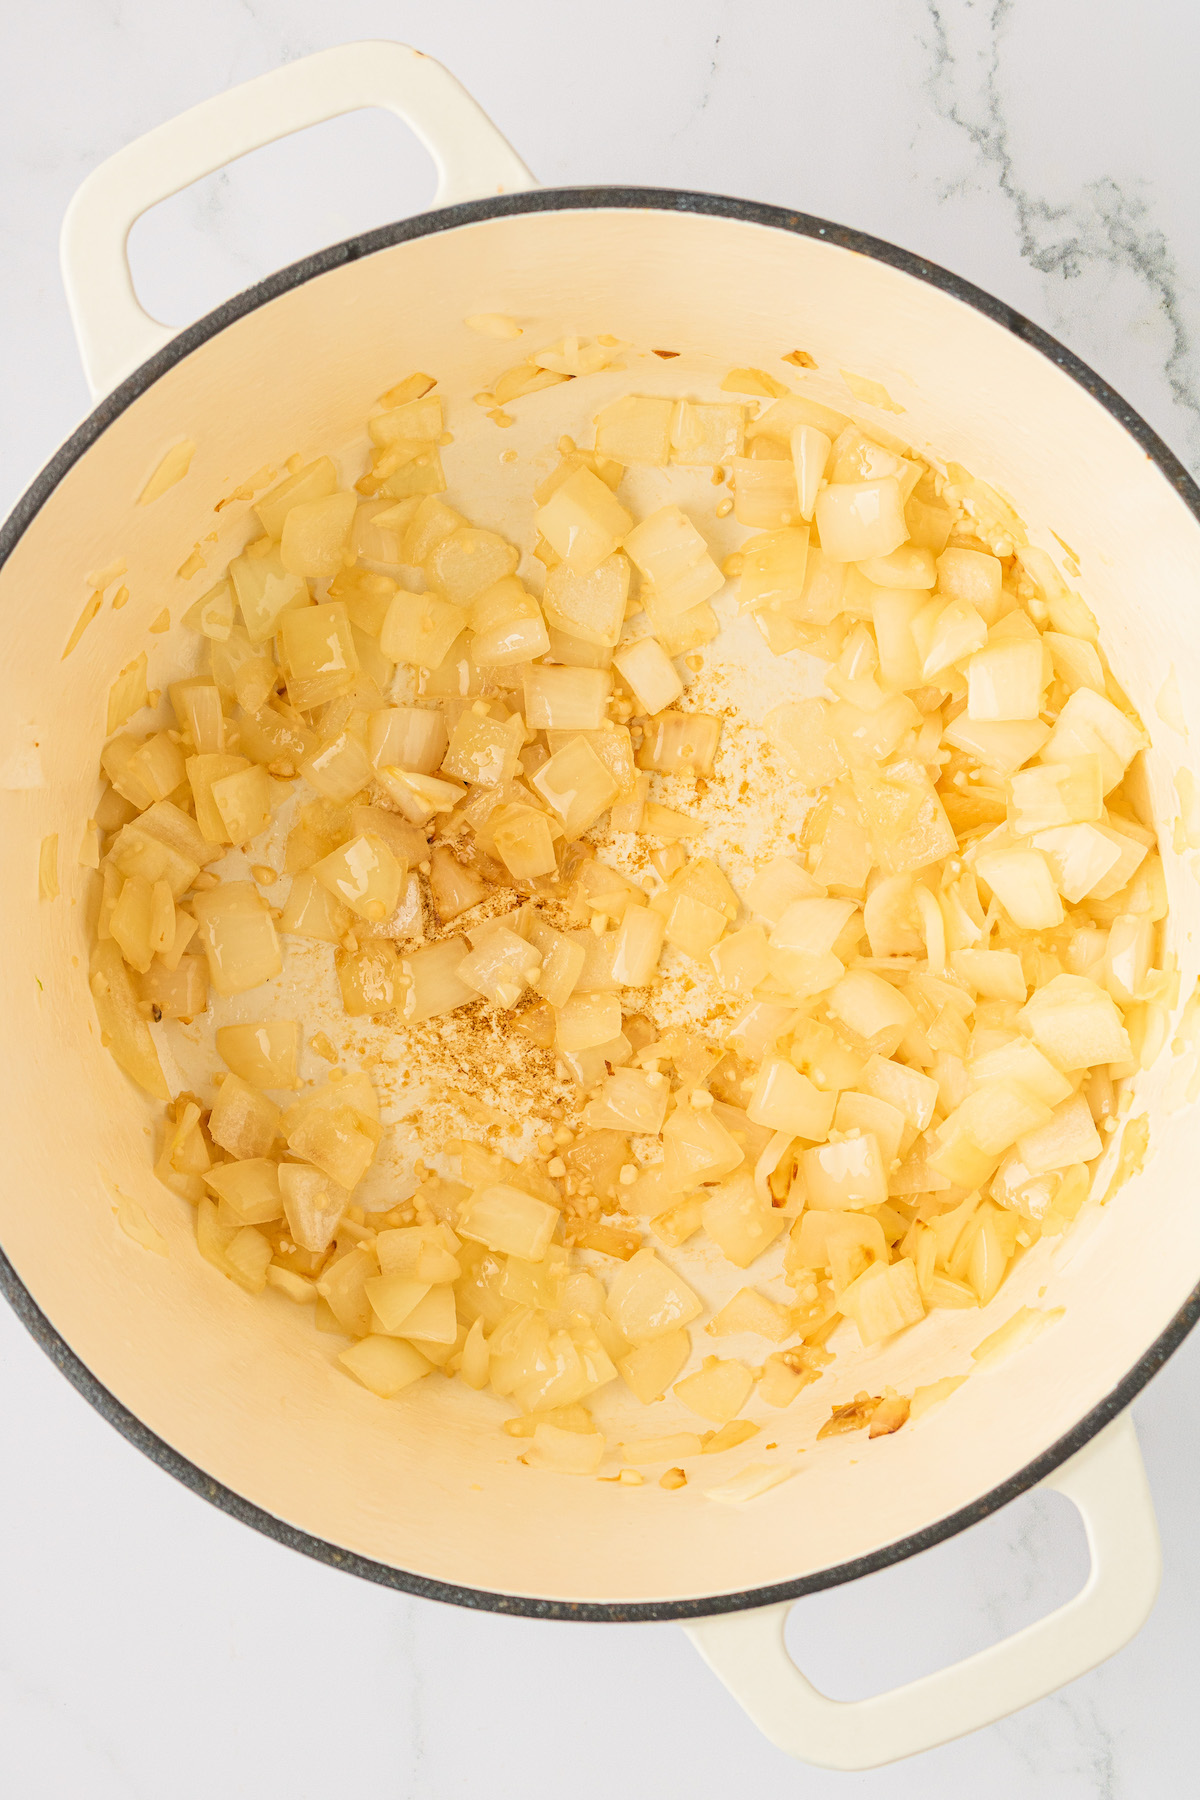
648,1300
860,519
672,556
591,606
565,699
509,1221
576,784
649,674
583,522
364,875
237,934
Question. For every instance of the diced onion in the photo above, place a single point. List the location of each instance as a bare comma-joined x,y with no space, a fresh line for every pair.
860,519
878,1068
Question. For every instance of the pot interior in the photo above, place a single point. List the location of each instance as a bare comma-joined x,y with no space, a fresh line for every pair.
246,1389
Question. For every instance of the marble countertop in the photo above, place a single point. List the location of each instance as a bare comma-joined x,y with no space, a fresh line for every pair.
1046,149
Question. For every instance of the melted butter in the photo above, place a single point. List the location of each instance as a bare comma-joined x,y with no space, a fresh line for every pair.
1135,1142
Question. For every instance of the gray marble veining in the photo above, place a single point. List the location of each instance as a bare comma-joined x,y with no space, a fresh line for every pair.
1082,243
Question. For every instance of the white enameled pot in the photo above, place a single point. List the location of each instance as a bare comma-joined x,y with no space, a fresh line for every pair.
229,1395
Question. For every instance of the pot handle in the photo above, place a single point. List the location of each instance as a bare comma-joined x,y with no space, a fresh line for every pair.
115,334
1107,1482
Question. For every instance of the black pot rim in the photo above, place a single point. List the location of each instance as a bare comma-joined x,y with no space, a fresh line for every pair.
110,408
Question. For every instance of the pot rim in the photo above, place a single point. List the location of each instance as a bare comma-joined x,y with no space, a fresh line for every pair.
110,408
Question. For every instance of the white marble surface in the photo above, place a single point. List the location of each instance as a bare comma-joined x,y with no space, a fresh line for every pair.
151,1647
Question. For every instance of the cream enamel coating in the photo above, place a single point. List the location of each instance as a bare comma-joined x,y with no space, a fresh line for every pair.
471,158
1108,1484
232,1386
